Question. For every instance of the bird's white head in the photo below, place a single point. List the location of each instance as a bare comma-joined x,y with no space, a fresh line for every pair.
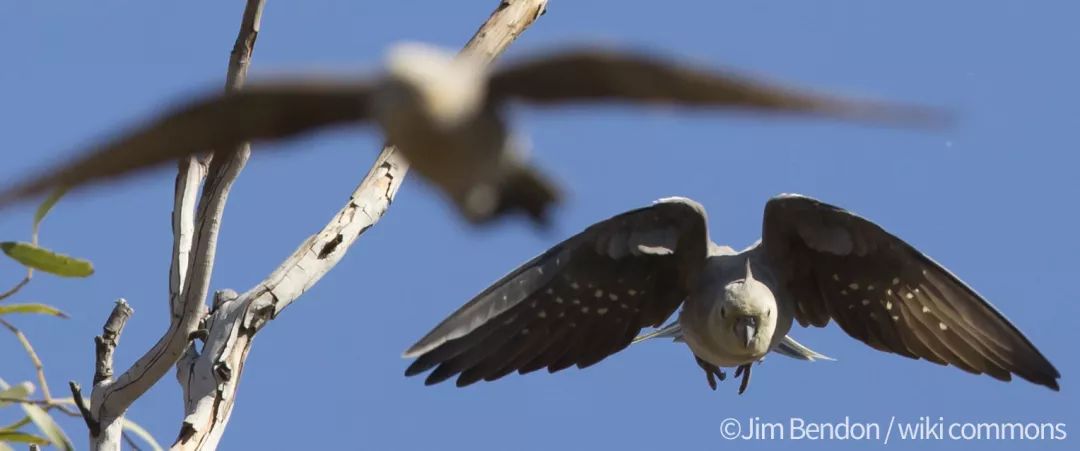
746,317
445,88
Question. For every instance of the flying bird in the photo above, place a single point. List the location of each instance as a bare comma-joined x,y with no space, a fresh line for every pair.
589,296
446,115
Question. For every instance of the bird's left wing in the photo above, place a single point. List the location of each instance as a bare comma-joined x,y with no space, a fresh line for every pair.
594,75
579,302
217,122
887,294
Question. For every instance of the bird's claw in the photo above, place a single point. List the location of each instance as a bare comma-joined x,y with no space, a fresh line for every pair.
712,372
713,375
744,371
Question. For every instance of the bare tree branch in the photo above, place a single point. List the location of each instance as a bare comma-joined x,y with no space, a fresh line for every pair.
48,401
39,368
37,402
84,410
22,283
105,344
103,434
210,378
194,247
189,178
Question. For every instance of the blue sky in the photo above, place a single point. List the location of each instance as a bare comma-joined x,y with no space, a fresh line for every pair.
992,198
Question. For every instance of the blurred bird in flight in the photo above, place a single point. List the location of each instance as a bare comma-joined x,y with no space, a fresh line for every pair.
447,115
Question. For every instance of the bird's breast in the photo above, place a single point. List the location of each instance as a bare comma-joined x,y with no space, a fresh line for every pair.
458,159
710,342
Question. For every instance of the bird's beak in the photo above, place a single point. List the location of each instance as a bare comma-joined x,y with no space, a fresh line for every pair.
746,328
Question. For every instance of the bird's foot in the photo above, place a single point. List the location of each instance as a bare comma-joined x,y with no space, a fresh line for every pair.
712,372
744,371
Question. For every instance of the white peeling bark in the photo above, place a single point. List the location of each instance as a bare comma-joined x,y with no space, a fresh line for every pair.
210,378
194,245
104,435
189,178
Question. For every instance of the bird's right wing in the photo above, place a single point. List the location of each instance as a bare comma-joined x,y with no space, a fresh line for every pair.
882,291
579,302
217,122
595,75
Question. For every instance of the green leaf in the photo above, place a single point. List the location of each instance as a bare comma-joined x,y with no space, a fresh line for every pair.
134,428
41,309
16,425
20,391
44,208
48,427
45,260
22,437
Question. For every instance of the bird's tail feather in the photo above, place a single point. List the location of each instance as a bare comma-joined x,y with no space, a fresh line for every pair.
672,330
788,346
527,191
791,348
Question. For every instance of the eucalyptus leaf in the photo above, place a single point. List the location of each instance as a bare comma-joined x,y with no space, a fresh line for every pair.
19,391
42,309
48,427
42,259
143,434
45,206
22,437
16,425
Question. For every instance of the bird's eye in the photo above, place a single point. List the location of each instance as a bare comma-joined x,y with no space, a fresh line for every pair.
768,313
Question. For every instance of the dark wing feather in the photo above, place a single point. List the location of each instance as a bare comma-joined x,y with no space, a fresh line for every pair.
592,75
218,122
889,295
579,302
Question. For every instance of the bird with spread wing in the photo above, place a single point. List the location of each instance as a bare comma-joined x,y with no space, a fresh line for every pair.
446,115
591,295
